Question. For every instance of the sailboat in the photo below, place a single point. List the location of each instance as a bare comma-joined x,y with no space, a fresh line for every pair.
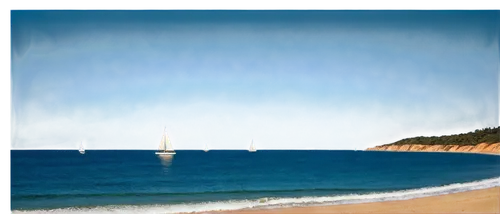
81,150
165,147
252,148
206,148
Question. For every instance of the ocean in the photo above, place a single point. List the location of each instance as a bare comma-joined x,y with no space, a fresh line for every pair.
138,181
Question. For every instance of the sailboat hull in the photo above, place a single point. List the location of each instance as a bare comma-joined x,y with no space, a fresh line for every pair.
82,152
165,153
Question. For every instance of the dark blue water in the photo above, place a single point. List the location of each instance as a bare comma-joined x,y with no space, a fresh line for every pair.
57,179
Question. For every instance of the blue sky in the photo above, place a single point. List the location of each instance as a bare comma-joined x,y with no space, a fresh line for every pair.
286,79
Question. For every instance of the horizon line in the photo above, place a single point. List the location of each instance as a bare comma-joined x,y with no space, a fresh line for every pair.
188,148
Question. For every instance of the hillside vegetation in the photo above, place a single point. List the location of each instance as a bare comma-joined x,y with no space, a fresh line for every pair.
486,135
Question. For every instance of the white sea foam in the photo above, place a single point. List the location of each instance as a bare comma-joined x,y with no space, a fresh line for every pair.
281,202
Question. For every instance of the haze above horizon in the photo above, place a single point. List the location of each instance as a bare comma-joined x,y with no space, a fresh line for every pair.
287,79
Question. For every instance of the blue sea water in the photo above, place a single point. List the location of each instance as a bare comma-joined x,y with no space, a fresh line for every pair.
138,180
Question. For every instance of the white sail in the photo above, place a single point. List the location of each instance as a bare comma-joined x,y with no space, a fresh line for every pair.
168,145
252,148
81,150
162,143
165,147
206,148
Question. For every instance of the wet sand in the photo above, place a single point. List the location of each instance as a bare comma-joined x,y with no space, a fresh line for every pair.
475,201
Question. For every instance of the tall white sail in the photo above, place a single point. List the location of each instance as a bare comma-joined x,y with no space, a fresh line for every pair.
162,143
165,147
168,145
81,150
206,148
252,148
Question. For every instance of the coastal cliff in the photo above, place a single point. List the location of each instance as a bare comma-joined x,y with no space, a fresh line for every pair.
483,141
486,148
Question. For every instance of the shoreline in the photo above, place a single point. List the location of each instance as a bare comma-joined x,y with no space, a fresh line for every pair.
481,148
474,153
481,196
477,201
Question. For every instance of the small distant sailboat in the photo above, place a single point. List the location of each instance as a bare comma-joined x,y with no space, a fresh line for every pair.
165,147
81,150
252,148
206,148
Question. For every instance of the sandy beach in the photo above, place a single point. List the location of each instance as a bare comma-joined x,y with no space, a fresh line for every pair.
476,201
482,148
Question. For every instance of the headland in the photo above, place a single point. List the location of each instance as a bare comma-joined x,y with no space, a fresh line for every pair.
481,141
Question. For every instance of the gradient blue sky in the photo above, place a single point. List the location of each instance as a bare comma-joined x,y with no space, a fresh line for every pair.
286,79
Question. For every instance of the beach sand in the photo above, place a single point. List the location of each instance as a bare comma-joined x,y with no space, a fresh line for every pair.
476,201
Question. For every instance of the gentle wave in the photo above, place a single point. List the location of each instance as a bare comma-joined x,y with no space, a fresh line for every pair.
77,195
281,202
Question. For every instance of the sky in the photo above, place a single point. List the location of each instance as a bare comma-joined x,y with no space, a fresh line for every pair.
284,79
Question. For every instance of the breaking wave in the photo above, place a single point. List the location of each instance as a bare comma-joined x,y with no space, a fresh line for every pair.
265,203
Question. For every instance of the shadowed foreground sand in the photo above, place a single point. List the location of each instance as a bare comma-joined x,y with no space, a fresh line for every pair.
476,201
